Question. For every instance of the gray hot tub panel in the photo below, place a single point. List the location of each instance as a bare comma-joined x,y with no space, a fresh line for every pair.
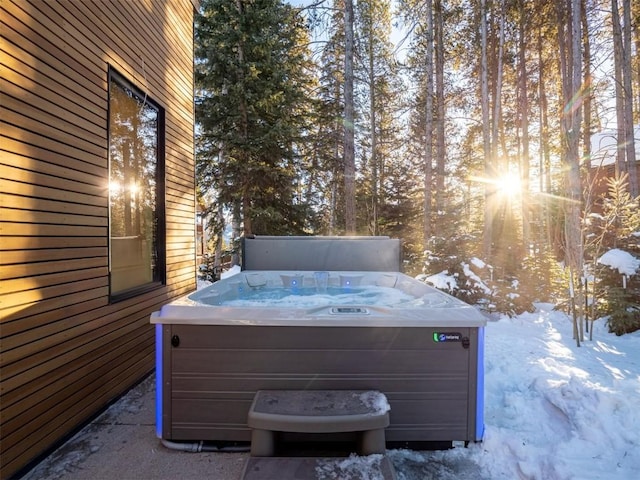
211,376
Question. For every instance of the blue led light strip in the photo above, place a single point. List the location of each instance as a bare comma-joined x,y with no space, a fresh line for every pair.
159,380
480,387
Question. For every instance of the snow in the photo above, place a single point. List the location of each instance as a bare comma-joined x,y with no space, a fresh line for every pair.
478,263
227,273
620,260
442,281
476,279
376,401
231,272
351,468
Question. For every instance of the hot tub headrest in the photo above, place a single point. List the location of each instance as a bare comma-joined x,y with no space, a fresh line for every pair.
374,254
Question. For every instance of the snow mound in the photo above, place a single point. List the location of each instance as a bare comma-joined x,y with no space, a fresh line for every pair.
620,260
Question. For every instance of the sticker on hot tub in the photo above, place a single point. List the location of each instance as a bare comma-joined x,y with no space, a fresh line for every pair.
349,310
447,337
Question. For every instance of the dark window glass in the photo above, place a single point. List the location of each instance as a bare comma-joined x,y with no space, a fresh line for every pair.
136,173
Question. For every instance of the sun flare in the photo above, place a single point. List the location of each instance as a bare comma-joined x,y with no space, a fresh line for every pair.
508,185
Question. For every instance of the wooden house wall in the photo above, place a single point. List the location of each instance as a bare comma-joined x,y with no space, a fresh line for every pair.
66,351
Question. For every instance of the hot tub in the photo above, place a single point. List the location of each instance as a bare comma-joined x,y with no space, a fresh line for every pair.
319,330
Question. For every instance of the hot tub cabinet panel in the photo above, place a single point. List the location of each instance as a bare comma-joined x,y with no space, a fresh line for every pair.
208,375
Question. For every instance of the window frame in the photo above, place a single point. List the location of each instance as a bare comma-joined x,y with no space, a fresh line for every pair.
159,279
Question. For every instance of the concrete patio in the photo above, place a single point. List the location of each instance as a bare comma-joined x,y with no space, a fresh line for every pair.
121,444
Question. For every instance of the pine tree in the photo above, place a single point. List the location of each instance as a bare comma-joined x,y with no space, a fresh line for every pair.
253,78
377,128
329,144
349,121
616,294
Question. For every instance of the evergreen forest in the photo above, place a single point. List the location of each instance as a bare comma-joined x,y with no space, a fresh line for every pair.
497,138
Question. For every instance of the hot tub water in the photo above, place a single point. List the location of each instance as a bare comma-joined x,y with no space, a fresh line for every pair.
303,290
303,297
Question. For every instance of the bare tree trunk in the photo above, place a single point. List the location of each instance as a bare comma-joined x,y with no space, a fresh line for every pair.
545,153
630,143
497,98
428,128
236,227
349,118
244,131
374,137
439,96
217,258
246,215
524,124
336,175
635,12
621,164
569,28
586,45
575,179
487,236
587,131
499,213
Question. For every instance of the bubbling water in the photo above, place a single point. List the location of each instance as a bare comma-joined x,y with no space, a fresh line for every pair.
305,297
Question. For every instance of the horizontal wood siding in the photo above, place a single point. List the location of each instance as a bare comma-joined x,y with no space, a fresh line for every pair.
66,351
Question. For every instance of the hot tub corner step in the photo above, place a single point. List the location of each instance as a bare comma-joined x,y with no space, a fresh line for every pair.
376,466
318,411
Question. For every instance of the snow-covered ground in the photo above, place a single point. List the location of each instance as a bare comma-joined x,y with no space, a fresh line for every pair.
552,410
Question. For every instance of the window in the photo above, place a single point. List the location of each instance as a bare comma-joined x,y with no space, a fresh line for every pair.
136,190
